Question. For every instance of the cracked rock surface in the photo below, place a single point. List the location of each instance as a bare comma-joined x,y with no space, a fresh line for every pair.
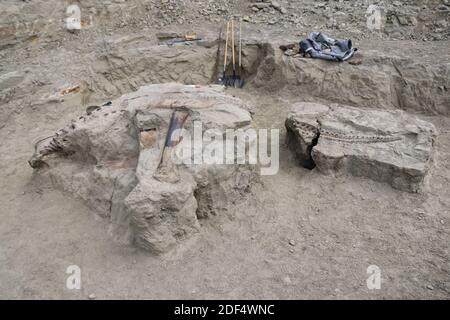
386,146
109,155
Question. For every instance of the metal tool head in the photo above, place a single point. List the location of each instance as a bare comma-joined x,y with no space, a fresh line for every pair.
238,82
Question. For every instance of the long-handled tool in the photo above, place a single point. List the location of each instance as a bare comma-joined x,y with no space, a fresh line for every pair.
239,83
224,81
233,79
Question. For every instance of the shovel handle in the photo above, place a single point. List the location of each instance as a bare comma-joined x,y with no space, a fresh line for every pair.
226,47
232,42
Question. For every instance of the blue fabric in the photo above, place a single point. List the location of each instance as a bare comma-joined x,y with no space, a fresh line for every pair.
319,46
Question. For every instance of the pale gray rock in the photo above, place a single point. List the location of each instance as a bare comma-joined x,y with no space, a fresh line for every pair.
10,80
162,213
387,146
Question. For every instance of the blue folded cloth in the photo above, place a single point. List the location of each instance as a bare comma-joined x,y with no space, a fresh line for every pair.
320,46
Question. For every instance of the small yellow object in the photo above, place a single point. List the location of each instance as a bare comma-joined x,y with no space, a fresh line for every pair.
70,90
190,36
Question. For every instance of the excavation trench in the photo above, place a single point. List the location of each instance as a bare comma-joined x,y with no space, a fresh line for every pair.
381,81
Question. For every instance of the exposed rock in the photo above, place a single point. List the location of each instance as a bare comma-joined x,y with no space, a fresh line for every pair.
108,158
162,213
276,5
384,81
260,5
385,146
10,80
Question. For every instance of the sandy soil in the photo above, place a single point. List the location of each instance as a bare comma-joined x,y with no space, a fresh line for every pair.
340,226
297,234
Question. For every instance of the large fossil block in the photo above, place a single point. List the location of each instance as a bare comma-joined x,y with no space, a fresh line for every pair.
386,146
109,157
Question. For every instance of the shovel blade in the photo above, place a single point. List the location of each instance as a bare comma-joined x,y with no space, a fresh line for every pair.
239,83
230,82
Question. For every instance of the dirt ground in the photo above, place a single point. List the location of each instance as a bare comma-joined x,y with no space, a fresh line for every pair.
297,235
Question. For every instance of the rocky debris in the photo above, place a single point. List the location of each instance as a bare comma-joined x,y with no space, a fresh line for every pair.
292,49
108,158
10,80
162,213
399,20
385,146
215,11
355,61
40,21
268,12
171,12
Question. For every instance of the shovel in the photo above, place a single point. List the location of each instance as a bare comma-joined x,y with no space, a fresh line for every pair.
224,80
239,82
